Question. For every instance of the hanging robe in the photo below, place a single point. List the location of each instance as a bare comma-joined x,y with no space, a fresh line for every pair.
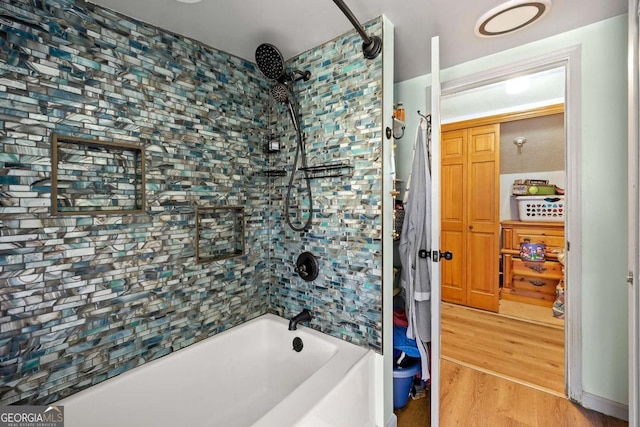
416,236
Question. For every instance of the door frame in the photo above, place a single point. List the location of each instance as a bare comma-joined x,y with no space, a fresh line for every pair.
570,59
436,316
634,214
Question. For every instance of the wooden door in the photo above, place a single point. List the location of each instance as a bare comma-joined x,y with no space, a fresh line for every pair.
453,215
470,216
483,218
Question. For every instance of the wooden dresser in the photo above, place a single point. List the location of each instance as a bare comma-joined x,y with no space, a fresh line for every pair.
531,282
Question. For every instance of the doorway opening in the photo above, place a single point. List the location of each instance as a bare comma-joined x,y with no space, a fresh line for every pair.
504,142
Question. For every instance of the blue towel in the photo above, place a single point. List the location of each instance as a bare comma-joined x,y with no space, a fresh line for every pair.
402,343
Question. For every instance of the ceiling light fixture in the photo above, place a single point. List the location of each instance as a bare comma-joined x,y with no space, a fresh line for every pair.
511,16
516,85
189,1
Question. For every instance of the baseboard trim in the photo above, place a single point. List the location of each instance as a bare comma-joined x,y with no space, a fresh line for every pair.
605,406
393,421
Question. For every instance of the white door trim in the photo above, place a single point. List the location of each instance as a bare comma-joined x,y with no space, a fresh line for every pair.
634,217
570,58
435,231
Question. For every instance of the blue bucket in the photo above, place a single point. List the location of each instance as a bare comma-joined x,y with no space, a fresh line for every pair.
402,381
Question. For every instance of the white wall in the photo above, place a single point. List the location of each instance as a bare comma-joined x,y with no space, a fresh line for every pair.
414,95
604,198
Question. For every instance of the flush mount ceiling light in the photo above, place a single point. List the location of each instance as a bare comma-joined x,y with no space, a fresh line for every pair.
511,16
516,85
189,1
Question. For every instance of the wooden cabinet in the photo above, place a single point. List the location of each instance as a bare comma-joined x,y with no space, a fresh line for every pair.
531,282
470,165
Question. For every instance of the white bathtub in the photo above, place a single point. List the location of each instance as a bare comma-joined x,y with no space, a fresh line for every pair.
247,376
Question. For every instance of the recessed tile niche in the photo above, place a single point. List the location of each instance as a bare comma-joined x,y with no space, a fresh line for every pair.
219,233
96,177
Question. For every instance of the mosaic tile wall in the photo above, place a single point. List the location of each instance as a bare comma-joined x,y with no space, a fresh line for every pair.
84,298
341,117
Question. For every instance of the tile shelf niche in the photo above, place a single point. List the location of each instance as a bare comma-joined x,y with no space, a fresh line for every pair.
219,233
90,177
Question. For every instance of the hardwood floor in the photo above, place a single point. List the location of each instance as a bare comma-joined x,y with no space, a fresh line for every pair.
525,352
470,398
499,371
529,312
417,413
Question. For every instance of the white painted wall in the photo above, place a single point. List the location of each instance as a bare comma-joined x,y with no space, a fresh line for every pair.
414,95
604,198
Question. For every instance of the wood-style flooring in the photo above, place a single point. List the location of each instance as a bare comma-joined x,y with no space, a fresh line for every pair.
521,351
500,371
471,398
529,312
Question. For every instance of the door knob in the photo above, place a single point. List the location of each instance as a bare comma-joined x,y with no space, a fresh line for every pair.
436,256
447,255
471,227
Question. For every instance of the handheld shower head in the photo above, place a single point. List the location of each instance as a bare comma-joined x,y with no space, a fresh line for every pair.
270,61
280,93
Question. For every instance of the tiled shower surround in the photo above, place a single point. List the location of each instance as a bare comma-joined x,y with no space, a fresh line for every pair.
341,116
86,297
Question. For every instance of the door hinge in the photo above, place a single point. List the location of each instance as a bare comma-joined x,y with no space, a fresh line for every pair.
568,246
630,278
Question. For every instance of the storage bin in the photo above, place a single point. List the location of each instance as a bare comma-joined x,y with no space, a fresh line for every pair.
402,381
541,208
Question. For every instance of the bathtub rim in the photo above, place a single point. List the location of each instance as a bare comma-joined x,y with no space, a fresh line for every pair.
294,406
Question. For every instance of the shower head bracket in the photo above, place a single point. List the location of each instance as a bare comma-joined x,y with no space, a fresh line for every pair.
304,75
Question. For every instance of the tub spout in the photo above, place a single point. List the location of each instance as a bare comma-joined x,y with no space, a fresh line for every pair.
303,316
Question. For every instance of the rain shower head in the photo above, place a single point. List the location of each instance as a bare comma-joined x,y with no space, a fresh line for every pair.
270,61
271,64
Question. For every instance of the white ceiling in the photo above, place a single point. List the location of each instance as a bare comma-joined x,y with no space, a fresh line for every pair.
294,26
